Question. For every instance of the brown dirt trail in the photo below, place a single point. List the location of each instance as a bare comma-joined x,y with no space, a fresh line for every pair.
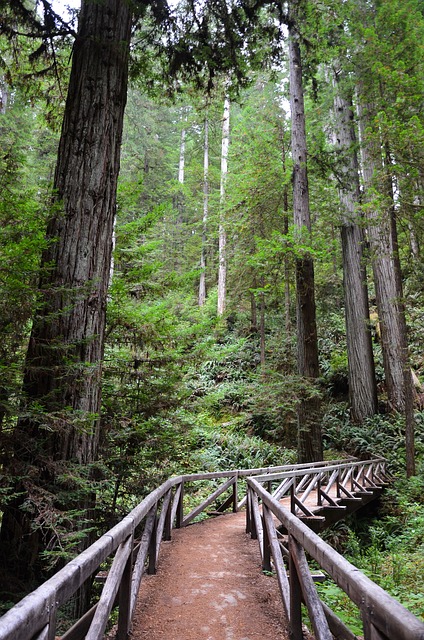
209,586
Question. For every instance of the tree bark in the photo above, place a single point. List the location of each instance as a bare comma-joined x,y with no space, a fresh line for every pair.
202,282
64,359
222,233
309,430
382,258
287,300
362,382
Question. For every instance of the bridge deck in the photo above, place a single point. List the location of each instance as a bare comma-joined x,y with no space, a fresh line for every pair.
210,586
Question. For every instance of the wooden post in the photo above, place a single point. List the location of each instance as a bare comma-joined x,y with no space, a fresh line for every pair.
319,498
292,496
370,631
235,498
248,507
124,619
151,569
168,521
295,599
51,629
266,554
253,527
180,508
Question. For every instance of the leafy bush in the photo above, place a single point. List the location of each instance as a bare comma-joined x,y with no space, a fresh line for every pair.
380,435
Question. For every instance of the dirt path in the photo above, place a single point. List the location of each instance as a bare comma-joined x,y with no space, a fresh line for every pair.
210,586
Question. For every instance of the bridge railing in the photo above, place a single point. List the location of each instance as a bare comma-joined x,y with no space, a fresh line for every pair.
131,548
382,616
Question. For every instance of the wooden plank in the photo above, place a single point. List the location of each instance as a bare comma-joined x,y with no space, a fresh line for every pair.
208,501
248,510
151,567
79,630
311,486
235,495
280,569
228,502
161,522
256,517
309,592
347,493
124,595
329,499
141,557
338,628
266,548
175,504
180,507
302,507
107,598
296,632
283,488
43,634
167,533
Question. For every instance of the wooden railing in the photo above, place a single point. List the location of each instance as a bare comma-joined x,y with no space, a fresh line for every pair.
134,545
131,548
383,618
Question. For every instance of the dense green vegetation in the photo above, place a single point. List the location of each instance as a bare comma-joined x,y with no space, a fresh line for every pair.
183,388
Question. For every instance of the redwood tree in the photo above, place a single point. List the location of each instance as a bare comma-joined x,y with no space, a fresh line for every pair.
362,382
63,364
309,430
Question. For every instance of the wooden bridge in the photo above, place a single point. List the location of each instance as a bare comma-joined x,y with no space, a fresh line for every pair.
285,507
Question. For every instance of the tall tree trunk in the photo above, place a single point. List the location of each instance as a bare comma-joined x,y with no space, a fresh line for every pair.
202,282
382,234
262,324
222,270
309,430
178,204
287,301
181,161
408,383
362,382
382,257
64,359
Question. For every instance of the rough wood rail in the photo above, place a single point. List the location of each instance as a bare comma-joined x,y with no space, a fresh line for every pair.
131,548
382,616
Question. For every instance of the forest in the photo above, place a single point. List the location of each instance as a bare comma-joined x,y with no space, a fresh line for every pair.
210,258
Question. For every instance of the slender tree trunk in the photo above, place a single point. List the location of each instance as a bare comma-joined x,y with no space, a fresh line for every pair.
202,283
179,203
222,270
4,96
253,310
309,430
181,162
362,383
287,300
64,359
408,383
413,242
262,324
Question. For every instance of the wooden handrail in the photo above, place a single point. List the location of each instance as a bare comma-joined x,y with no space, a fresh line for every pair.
34,617
383,617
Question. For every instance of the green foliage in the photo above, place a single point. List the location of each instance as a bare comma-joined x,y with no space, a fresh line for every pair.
231,447
378,436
